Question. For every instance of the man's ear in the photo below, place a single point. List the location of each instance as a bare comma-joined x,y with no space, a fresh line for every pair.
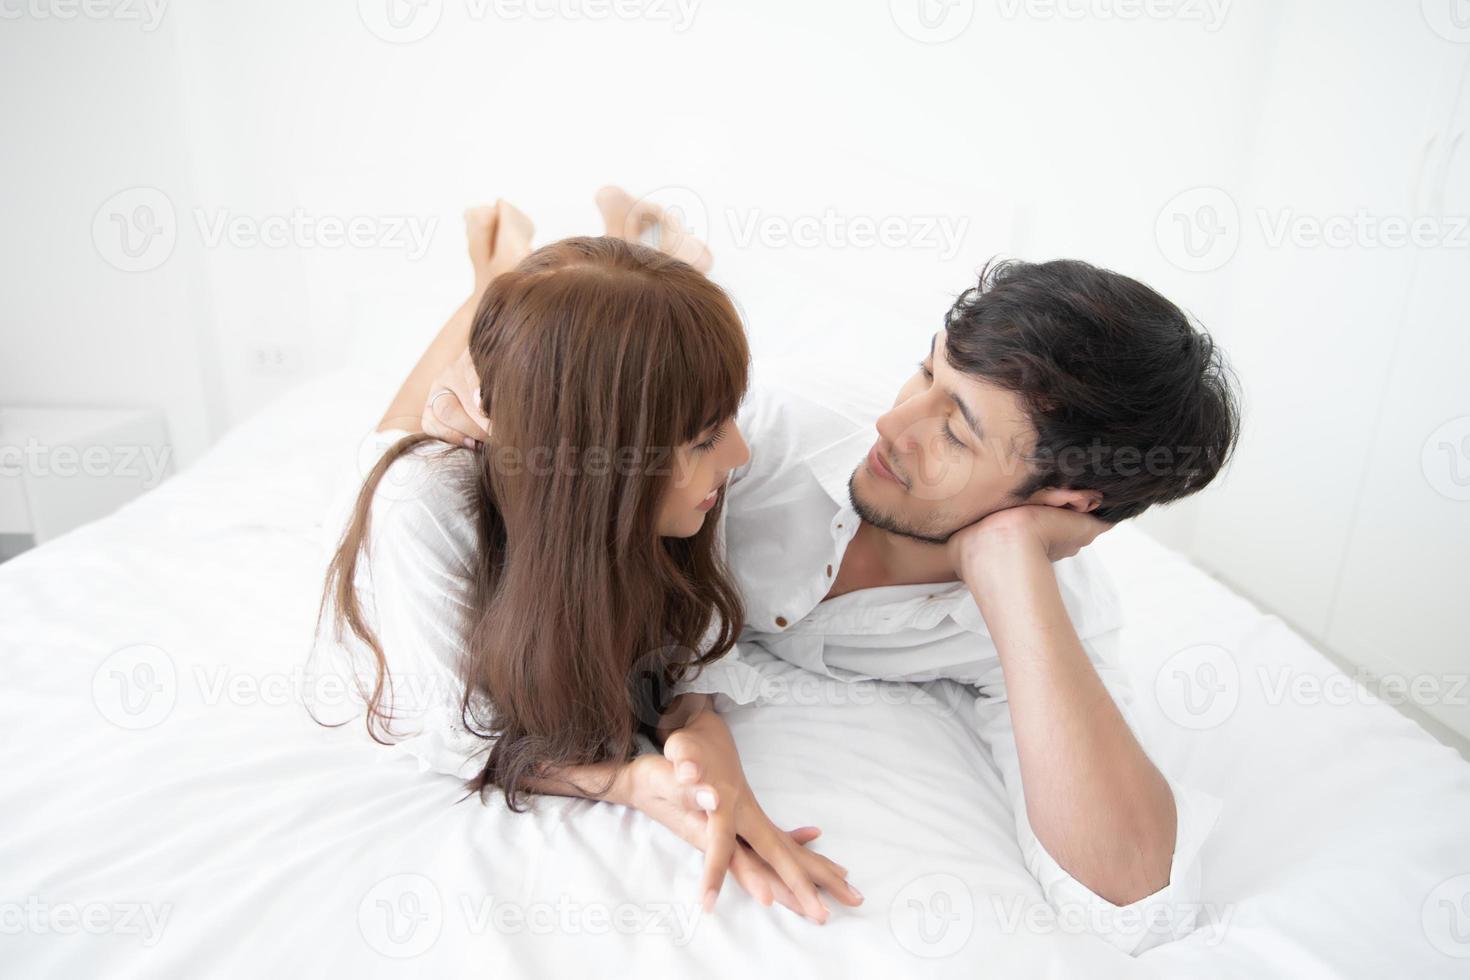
1082,501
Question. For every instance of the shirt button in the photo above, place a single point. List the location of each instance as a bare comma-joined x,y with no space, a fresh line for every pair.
829,571
781,621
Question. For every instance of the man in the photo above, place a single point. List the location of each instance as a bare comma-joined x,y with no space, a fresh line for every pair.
936,539
1055,399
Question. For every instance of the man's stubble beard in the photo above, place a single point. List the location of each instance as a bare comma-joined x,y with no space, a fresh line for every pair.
887,522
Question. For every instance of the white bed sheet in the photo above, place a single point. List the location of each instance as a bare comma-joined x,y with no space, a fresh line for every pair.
215,830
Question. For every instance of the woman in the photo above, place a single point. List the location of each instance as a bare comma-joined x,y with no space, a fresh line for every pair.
548,571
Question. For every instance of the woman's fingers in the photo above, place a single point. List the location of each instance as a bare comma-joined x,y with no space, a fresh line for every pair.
699,796
717,855
747,859
780,853
832,878
805,835
753,875
785,895
822,869
452,413
683,753
465,383
446,420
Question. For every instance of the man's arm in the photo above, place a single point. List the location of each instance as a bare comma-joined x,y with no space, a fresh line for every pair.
1095,802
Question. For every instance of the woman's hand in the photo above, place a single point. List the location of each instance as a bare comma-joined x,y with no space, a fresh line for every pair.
707,766
452,413
656,791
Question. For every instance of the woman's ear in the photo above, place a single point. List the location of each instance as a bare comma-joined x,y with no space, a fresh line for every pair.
1082,501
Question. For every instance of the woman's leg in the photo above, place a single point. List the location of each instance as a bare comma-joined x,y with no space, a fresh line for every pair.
497,238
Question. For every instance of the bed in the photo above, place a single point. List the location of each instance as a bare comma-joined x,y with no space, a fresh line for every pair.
171,810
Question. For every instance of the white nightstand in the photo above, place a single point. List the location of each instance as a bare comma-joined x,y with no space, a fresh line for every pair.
63,467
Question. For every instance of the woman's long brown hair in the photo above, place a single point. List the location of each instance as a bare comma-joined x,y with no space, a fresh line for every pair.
576,603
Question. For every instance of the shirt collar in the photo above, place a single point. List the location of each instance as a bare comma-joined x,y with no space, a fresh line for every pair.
833,465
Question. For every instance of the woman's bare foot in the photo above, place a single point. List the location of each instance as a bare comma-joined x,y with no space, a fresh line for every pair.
479,232
498,237
630,219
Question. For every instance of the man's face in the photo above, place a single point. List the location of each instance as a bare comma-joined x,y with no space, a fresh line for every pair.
948,453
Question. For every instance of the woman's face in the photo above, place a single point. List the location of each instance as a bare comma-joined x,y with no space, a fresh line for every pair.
701,469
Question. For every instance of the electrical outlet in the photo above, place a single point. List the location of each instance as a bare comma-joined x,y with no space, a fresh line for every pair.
273,360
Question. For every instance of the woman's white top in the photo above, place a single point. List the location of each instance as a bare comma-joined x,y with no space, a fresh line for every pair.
413,587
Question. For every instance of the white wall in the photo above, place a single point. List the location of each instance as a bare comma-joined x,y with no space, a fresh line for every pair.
1101,136
1338,512
92,128
1046,136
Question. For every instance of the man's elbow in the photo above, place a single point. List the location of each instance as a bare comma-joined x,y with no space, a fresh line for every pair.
1128,860
1141,870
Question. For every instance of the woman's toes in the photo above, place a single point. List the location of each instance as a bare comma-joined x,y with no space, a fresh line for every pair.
616,205
633,220
479,231
680,242
509,241
513,230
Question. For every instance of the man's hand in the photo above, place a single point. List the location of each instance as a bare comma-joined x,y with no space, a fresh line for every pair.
1057,532
452,413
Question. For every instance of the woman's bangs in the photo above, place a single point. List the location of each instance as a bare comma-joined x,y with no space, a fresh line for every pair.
716,373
